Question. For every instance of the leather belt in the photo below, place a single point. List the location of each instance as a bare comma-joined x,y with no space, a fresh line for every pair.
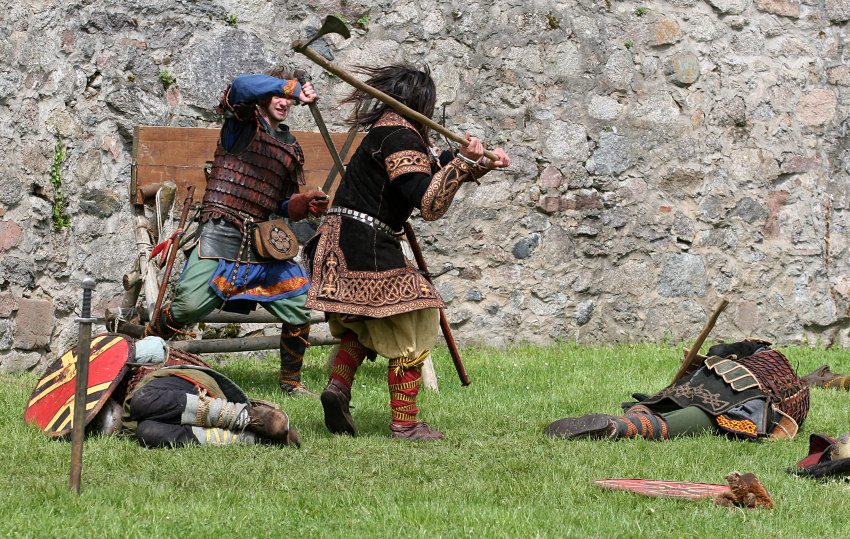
364,218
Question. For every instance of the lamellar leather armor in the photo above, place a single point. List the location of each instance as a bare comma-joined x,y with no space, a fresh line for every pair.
777,378
253,182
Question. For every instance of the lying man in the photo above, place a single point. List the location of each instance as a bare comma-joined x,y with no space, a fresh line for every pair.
741,389
175,399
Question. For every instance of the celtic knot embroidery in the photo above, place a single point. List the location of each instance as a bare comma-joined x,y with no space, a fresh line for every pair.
687,391
405,162
441,191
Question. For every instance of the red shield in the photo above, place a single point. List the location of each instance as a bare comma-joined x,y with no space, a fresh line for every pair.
51,405
670,489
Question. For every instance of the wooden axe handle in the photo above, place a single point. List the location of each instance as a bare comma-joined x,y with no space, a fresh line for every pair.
399,107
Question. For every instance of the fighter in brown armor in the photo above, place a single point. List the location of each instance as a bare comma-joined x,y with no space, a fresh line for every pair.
257,171
377,302
744,389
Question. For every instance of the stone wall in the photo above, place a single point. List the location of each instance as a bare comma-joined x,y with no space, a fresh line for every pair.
666,154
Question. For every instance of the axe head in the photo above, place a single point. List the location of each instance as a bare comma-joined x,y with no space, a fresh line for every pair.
331,25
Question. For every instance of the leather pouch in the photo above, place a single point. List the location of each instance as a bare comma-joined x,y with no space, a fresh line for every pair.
274,239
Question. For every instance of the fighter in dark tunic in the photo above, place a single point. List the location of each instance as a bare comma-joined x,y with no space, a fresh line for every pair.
377,302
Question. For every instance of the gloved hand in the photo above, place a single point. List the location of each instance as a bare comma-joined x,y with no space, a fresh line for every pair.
316,203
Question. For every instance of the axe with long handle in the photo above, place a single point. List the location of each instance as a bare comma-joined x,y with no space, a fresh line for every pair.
303,78
444,323
333,25
81,387
693,353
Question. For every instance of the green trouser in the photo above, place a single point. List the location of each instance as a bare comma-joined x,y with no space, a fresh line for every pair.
194,298
688,421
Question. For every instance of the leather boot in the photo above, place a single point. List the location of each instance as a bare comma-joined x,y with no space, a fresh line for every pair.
336,400
165,326
825,378
417,432
293,344
273,425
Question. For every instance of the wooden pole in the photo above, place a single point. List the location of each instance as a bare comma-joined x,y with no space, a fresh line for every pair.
693,353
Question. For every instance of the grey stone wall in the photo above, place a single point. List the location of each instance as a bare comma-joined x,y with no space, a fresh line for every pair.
666,154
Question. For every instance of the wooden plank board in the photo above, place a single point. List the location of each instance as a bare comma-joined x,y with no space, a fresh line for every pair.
180,155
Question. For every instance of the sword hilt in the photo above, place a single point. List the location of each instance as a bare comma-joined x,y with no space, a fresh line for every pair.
85,313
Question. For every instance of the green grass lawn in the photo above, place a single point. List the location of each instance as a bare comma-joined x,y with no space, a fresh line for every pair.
494,474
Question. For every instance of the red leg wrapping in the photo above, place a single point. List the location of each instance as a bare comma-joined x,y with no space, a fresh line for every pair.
404,387
348,359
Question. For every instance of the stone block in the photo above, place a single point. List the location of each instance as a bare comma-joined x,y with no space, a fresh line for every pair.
795,164
775,201
747,316
583,312
683,275
33,324
604,108
838,75
99,202
526,246
549,204
683,69
18,362
620,69
10,234
612,155
664,32
7,305
729,7
18,271
551,178
817,107
683,227
837,10
785,8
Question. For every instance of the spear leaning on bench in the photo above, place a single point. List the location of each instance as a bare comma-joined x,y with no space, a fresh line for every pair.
172,252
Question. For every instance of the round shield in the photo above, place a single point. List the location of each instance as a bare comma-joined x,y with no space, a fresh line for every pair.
51,405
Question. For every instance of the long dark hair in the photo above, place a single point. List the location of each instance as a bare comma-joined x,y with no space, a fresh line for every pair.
412,87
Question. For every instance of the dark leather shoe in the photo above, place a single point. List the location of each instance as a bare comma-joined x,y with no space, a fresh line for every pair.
271,424
586,426
336,403
418,432
820,376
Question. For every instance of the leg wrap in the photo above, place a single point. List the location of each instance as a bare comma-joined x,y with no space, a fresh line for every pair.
293,344
164,326
204,411
640,421
841,381
217,436
348,359
404,378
